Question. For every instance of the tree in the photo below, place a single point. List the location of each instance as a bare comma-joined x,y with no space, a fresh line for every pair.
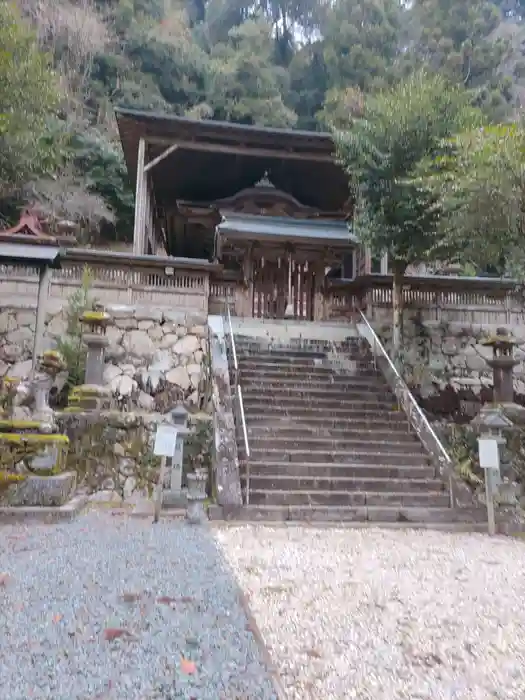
381,151
480,184
243,85
458,40
30,139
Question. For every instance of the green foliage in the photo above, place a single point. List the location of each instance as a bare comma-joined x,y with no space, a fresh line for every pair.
198,449
464,451
301,64
382,149
243,85
70,345
106,176
30,142
105,453
456,39
480,182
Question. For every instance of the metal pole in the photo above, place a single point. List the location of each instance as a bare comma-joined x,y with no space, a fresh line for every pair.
489,495
159,490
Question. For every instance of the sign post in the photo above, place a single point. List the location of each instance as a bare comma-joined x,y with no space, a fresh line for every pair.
489,462
491,423
165,446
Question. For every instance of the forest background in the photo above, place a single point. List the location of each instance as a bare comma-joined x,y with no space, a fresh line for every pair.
304,64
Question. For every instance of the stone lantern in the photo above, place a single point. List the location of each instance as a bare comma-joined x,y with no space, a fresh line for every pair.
195,512
502,364
49,365
95,322
93,395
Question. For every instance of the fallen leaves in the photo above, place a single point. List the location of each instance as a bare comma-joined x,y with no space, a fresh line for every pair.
131,597
168,600
112,633
188,667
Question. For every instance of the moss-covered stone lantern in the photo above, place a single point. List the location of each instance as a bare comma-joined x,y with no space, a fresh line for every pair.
92,394
502,364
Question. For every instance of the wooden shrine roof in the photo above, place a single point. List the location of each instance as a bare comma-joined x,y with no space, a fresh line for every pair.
275,228
214,159
26,244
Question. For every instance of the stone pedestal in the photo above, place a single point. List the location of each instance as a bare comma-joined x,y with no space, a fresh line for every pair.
96,346
195,512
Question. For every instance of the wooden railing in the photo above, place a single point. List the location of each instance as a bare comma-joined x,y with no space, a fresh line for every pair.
448,299
183,283
117,278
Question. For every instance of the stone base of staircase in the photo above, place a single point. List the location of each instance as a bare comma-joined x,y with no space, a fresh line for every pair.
460,520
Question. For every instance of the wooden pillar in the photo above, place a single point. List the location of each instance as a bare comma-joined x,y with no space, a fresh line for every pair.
44,283
149,235
320,303
247,297
140,201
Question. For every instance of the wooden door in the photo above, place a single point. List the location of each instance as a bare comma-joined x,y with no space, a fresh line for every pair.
270,288
282,288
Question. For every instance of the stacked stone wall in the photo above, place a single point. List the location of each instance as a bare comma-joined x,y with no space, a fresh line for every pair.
445,364
155,357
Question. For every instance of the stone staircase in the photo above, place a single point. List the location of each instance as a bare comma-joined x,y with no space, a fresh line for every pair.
327,441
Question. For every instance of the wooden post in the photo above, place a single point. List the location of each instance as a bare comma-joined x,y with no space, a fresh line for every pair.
140,194
247,297
319,291
44,283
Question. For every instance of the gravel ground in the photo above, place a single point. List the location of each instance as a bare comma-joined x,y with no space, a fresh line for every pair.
115,607
386,615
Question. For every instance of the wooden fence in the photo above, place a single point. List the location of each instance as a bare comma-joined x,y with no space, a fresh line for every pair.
117,278
120,278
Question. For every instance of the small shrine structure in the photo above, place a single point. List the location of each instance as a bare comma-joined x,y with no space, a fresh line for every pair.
27,245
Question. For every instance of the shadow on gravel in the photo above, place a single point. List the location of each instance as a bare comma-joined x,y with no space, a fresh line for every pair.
113,607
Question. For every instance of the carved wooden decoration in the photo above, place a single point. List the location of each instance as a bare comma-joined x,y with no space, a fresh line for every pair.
263,199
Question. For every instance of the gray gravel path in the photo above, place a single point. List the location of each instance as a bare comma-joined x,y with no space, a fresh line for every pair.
386,615
163,591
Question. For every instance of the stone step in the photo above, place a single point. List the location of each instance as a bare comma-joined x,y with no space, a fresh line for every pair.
283,363
300,345
347,498
320,444
300,391
310,373
345,432
354,420
285,382
318,470
457,520
330,482
301,350
300,411
371,456
319,403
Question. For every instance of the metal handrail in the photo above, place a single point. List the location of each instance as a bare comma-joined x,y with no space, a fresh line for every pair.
238,393
377,342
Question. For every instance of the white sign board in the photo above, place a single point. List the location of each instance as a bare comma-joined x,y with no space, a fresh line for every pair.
165,441
488,453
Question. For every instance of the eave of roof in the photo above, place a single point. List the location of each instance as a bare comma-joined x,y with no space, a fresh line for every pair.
31,255
158,124
231,157
236,226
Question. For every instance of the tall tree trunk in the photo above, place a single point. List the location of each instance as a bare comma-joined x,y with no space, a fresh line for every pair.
398,277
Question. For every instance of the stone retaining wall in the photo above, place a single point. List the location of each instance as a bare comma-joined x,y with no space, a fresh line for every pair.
155,357
445,364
